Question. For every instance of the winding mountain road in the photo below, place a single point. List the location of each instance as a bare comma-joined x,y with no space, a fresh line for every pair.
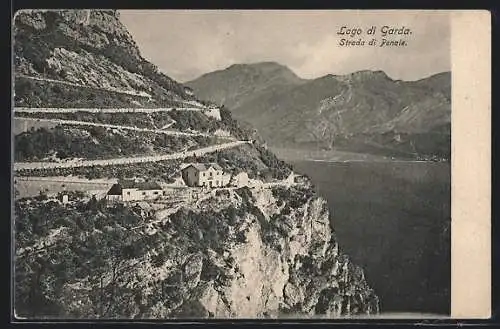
107,89
130,160
107,125
73,84
102,110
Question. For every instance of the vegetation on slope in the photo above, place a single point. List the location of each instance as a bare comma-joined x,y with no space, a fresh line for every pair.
87,267
160,170
38,34
90,259
98,143
258,163
174,119
90,245
138,119
235,128
35,93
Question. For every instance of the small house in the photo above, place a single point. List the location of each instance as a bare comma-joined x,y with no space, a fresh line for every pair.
240,180
130,190
64,198
204,174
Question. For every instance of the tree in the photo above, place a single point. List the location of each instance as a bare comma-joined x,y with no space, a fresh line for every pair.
42,195
98,132
62,154
92,205
232,215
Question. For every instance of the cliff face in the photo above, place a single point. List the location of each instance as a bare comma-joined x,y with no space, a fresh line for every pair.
266,251
246,253
282,264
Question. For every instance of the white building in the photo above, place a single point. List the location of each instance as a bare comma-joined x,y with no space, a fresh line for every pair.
201,174
133,191
240,180
64,198
213,112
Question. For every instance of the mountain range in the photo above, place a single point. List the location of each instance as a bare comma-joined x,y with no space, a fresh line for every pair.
363,112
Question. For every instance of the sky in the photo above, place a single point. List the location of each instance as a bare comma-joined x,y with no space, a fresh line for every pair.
185,44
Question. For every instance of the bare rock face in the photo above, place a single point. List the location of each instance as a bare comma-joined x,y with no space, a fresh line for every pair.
35,19
271,261
192,270
300,271
293,295
104,27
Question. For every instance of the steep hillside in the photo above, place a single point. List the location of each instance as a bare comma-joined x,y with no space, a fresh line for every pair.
94,54
364,112
89,105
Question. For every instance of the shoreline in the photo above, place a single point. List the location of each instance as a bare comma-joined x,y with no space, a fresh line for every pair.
370,161
294,155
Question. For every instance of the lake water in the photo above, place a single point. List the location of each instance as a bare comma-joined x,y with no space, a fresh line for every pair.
392,218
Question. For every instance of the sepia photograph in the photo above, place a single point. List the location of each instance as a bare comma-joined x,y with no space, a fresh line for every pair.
231,164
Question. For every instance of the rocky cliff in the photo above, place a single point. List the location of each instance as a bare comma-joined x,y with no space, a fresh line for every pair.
247,253
265,251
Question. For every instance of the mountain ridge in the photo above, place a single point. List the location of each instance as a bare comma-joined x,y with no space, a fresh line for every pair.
353,111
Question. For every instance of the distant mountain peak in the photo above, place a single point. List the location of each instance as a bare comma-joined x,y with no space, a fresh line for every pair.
441,75
243,79
266,67
357,75
264,64
368,74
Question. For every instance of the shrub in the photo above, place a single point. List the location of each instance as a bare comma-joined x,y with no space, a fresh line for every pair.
241,237
209,271
88,252
40,143
232,125
231,215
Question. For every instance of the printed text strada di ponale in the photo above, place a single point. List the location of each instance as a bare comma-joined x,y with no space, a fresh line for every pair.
354,36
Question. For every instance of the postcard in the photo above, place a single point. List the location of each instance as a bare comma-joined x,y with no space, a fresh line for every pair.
251,164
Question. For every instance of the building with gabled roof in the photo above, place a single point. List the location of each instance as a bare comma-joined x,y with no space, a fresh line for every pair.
204,174
131,190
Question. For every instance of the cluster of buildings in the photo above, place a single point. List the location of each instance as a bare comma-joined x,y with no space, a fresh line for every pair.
209,175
